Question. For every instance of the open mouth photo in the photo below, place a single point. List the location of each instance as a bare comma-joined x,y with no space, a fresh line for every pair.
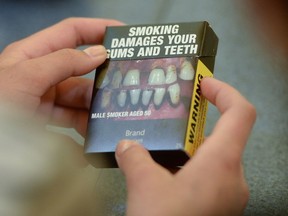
145,89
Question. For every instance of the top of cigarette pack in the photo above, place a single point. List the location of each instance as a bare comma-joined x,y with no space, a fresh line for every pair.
160,40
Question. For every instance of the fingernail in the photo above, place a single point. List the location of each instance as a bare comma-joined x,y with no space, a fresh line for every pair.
95,51
124,145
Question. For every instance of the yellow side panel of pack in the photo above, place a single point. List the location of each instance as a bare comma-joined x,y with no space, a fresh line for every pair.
198,111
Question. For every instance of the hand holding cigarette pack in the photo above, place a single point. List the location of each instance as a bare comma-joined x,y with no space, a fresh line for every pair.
148,90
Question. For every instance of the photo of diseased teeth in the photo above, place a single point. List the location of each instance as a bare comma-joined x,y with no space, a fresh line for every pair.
132,78
161,86
116,80
121,98
106,99
146,97
105,82
174,89
157,78
174,93
187,71
171,74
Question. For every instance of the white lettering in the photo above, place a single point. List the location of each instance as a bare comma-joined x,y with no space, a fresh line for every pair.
133,133
153,30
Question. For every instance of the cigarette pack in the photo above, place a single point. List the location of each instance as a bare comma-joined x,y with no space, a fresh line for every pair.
148,90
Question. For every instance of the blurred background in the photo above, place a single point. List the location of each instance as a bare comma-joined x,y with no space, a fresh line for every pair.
251,57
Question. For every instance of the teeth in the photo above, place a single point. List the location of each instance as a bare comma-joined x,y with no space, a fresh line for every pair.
171,74
116,80
174,93
146,97
187,71
134,96
106,98
174,90
121,98
157,77
105,82
159,95
132,78
115,83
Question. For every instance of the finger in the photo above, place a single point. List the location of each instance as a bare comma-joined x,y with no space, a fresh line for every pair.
36,76
75,92
70,118
237,114
145,179
137,165
224,147
68,33
71,105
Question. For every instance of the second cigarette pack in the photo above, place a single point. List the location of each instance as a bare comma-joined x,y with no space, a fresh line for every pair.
148,90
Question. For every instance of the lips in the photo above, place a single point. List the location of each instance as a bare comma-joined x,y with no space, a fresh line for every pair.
162,86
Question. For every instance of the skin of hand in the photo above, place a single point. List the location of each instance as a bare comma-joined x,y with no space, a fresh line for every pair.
39,73
40,85
211,182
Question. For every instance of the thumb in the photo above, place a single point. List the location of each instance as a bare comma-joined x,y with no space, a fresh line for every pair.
130,155
135,162
146,180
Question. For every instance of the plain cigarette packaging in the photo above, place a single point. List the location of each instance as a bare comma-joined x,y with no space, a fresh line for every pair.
148,90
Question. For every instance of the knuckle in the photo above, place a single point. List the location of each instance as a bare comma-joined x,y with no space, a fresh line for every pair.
228,162
67,53
250,111
68,56
231,163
